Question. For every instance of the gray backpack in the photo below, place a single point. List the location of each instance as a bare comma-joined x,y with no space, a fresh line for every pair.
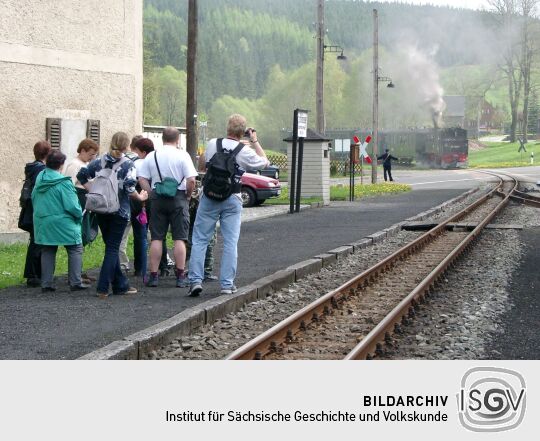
103,195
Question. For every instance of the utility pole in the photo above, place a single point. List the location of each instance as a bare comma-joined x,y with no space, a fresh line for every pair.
375,95
191,98
319,93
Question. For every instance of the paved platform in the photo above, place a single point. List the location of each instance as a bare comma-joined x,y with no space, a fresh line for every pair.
520,339
65,325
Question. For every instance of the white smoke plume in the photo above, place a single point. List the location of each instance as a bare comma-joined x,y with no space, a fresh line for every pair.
423,73
418,94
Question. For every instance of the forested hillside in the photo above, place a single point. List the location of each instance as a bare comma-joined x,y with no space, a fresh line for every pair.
258,57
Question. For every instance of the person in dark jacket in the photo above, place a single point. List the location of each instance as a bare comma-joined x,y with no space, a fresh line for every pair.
141,147
113,225
57,221
387,158
32,267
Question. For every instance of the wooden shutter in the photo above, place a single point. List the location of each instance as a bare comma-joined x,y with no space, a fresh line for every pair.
53,131
93,130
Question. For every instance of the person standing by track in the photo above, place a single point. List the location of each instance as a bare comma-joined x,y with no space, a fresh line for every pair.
32,266
228,211
57,221
169,176
113,224
387,158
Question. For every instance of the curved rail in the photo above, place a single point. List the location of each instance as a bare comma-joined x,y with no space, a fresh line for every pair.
387,326
285,330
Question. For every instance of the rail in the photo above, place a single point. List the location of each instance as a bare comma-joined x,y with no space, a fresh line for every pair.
284,331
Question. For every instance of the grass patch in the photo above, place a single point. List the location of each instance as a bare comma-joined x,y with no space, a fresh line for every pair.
341,192
13,257
283,199
503,154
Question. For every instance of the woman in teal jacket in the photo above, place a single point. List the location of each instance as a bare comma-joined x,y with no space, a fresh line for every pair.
57,221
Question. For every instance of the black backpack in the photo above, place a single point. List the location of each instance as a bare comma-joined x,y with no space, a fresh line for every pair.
222,178
26,191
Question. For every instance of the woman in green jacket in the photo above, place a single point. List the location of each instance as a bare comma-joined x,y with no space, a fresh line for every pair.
57,221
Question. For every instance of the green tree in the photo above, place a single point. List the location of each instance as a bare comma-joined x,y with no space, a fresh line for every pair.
172,95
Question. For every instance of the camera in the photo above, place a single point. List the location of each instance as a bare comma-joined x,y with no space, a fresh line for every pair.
247,133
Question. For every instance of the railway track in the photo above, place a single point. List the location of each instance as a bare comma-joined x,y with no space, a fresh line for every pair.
355,320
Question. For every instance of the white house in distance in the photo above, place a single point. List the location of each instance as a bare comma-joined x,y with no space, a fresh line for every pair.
70,69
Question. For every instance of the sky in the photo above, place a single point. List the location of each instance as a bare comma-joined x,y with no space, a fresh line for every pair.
469,4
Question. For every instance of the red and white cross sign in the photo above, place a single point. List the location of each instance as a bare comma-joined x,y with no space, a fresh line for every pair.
363,146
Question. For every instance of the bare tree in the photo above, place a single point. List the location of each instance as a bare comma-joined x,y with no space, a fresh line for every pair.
515,19
507,13
527,10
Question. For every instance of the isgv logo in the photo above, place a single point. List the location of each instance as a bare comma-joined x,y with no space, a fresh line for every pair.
491,399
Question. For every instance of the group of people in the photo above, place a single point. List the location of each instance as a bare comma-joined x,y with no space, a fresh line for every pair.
133,185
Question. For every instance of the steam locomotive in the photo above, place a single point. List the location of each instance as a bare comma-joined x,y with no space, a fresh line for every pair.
438,148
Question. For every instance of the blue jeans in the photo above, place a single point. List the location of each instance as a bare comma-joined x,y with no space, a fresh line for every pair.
112,229
209,212
140,247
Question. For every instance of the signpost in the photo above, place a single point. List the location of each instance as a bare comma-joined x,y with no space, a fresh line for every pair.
352,161
299,133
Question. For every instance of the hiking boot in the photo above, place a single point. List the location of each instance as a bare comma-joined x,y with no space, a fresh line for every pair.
229,291
195,290
182,282
102,295
48,289
152,281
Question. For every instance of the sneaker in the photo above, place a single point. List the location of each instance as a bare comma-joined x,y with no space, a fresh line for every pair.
129,291
195,290
102,295
182,282
152,281
48,289
228,291
209,277
80,287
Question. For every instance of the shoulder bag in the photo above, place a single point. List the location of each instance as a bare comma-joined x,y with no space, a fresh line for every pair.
168,187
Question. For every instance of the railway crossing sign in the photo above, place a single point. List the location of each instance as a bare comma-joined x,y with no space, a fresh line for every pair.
521,146
363,146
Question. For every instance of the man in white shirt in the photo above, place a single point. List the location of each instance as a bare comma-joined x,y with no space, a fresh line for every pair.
169,162
227,211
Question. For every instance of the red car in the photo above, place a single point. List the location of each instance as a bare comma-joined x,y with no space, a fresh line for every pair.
256,189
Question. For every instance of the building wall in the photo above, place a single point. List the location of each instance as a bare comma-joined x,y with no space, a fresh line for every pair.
315,171
70,59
